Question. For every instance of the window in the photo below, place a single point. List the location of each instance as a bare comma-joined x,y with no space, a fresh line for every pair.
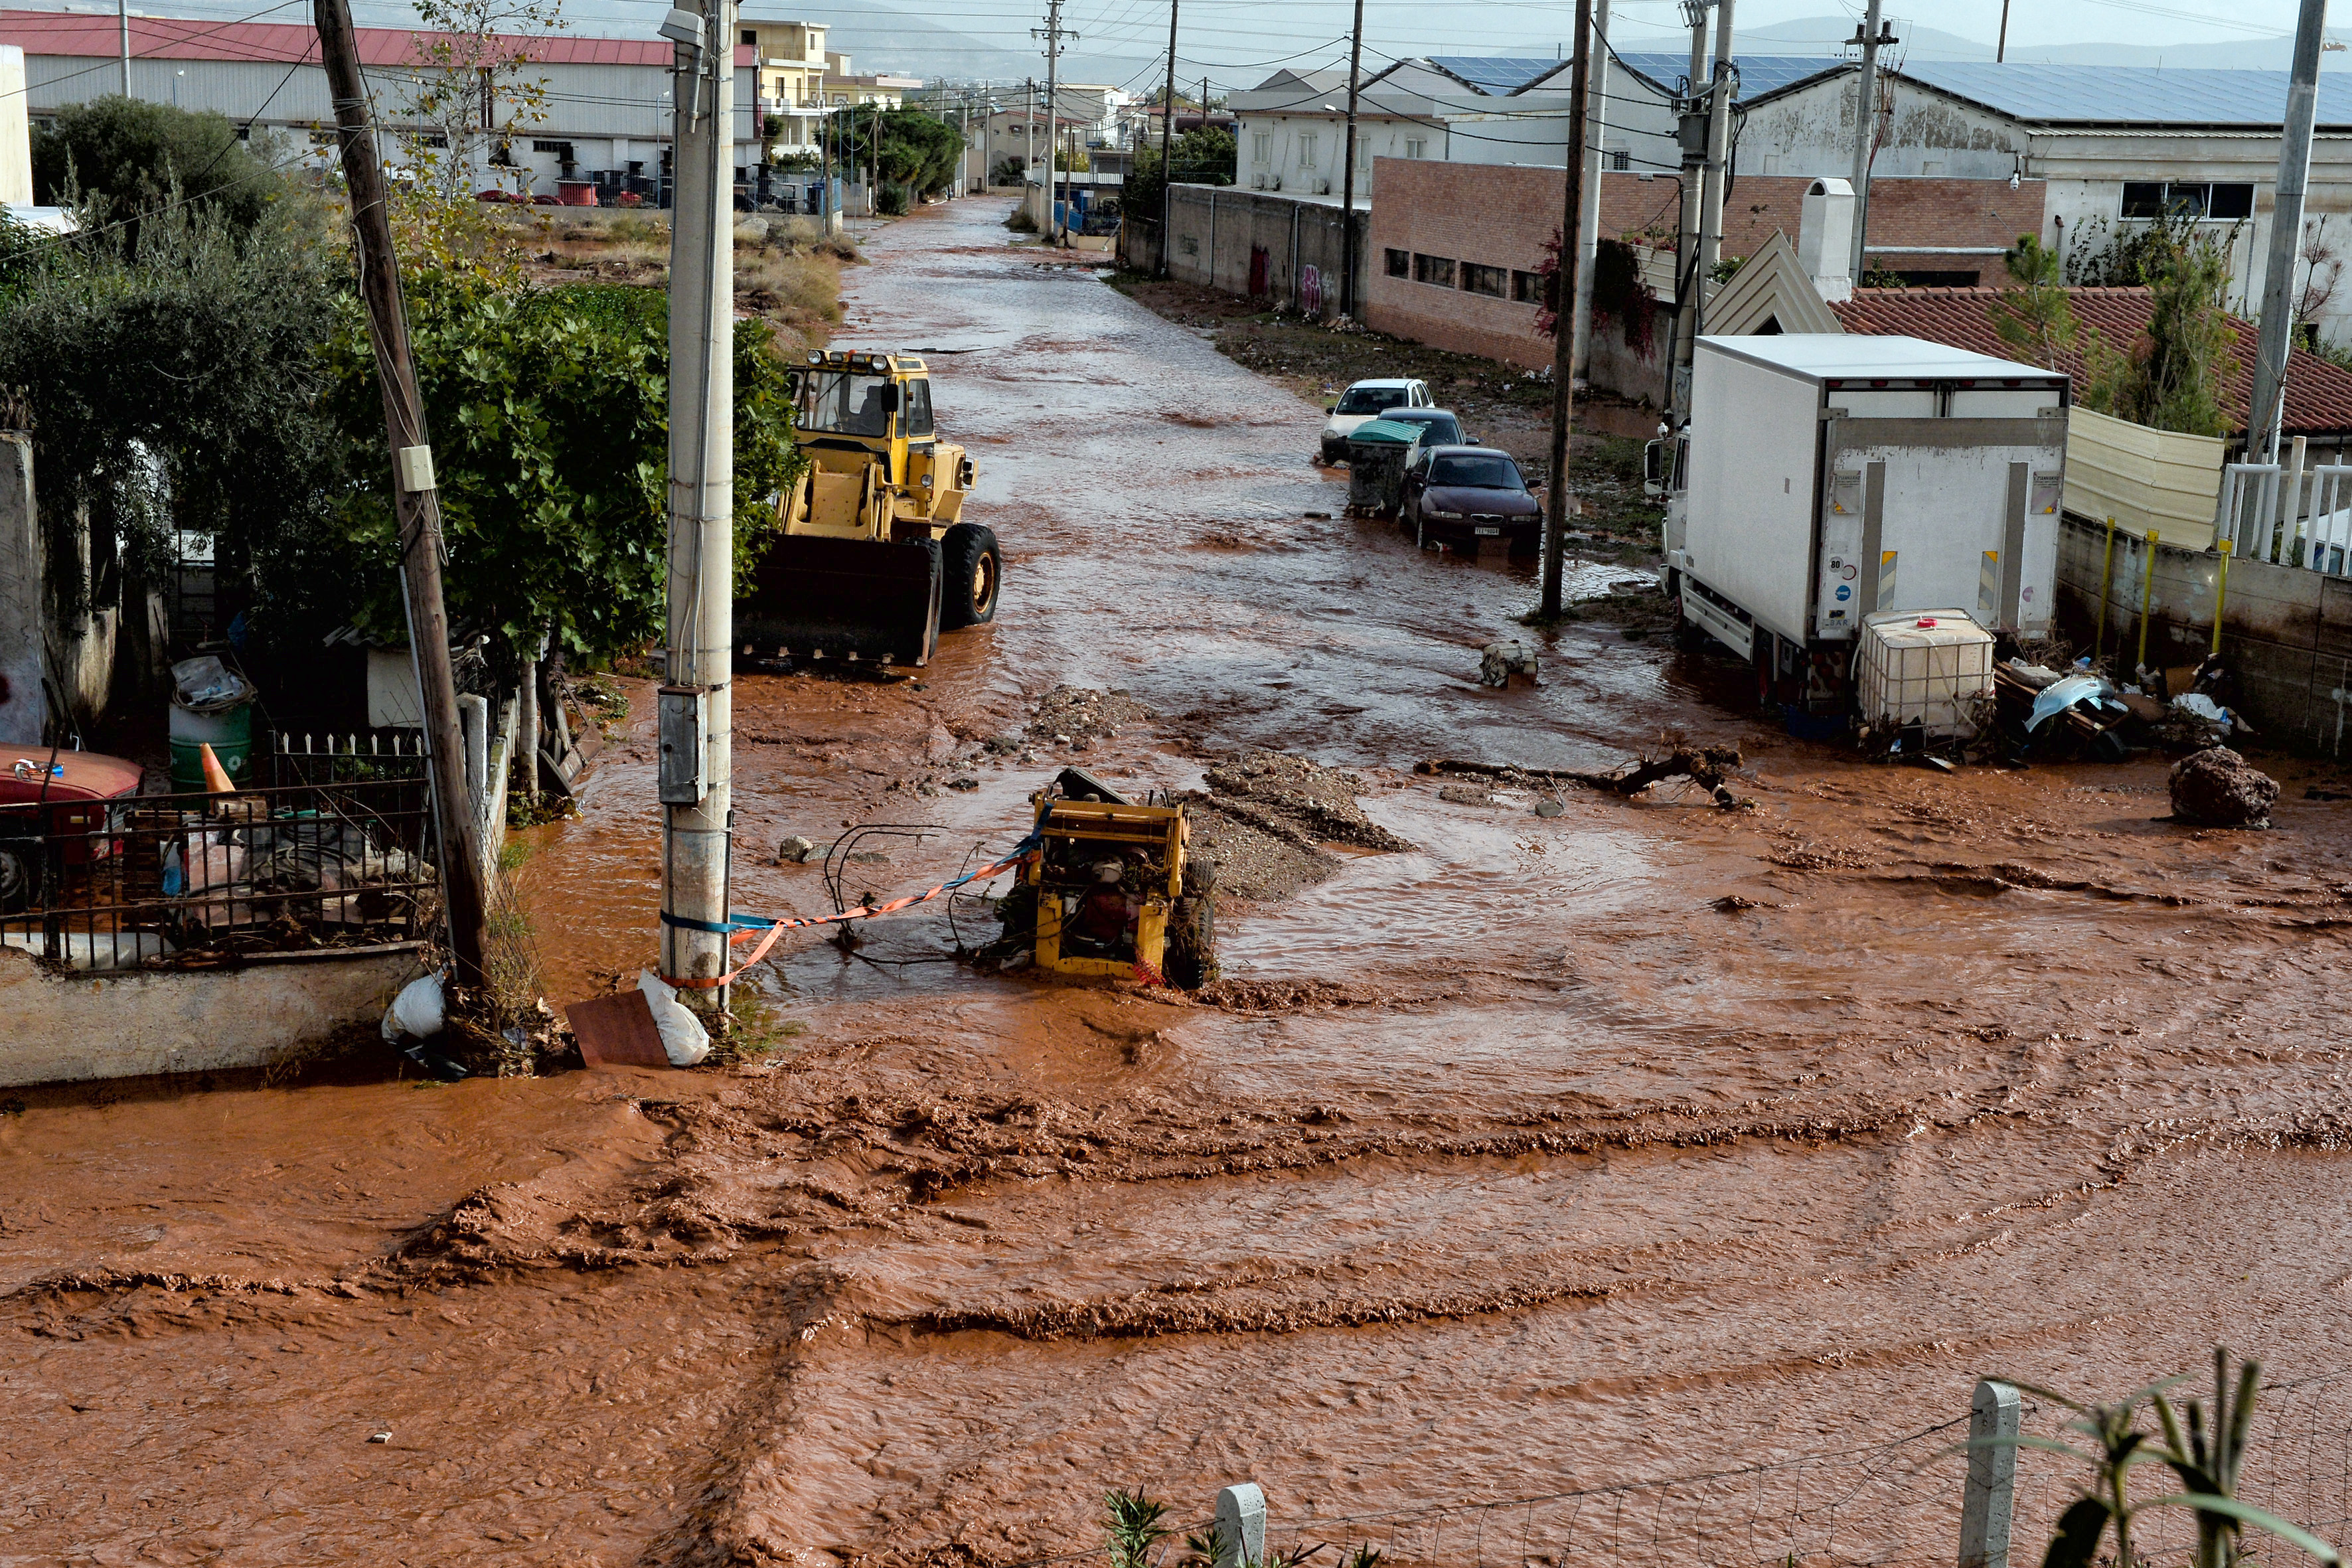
1370,397
1528,288
1261,147
750,37
1621,159
1479,473
1481,280
1306,149
1434,270
562,148
1933,277
2226,202
847,403
919,410
1400,263
1416,147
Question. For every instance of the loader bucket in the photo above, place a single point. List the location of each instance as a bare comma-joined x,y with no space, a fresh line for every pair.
812,597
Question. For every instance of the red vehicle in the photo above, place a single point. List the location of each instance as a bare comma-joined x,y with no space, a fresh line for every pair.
74,799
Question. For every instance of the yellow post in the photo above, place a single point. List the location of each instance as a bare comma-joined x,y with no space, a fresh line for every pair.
2147,598
2221,595
2106,580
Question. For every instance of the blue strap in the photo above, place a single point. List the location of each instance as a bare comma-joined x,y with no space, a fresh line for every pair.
734,922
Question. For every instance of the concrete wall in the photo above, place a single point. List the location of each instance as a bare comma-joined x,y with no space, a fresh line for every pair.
2288,632
1215,232
72,1028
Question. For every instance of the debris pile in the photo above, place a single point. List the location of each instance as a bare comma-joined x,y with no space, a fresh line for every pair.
1265,818
1075,717
1706,766
2215,788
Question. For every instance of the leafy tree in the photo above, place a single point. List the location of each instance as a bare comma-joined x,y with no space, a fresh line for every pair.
2173,381
549,413
1204,156
171,372
472,89
133,154
2034,317
917,150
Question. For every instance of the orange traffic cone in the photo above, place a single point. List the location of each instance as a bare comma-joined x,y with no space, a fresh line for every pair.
215,775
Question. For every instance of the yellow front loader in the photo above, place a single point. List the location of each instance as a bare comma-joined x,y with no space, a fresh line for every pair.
875,558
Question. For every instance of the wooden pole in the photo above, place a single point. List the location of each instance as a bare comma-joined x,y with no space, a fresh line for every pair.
414,500
1563,331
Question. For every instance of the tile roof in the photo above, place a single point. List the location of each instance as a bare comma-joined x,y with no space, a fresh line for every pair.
2318,394
98,35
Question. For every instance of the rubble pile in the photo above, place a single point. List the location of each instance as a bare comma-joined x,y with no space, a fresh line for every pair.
2216,788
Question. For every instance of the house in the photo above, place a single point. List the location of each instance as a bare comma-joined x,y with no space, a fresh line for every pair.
606,102
2113,147
791,64
844,89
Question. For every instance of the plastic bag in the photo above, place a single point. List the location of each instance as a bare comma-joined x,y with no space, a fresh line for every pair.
416,1012
683,1038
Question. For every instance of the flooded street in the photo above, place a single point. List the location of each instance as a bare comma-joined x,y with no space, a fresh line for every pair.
1551,1154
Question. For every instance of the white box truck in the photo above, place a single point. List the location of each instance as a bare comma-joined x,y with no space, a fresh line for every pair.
1826,477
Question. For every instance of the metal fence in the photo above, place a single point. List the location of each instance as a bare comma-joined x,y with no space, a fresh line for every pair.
2267,513
194,880
1897,1503
288,758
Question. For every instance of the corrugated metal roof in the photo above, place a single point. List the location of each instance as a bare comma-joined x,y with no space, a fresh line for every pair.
89,35
1759,74
2130,95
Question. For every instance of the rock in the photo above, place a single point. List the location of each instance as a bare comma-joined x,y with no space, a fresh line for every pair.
794,850
1002,745
1498,661
1464,794
1550,809
870,858
963,783
380,1438
2215,788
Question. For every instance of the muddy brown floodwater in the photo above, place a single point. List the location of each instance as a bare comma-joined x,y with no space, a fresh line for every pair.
1543,1155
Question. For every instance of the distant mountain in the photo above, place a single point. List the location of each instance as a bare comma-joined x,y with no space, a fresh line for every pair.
1823,34
877,38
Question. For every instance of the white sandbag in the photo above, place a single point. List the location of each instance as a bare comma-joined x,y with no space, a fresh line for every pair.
683,1038
416,1013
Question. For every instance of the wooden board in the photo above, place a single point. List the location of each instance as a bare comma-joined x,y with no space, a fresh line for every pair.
617,1031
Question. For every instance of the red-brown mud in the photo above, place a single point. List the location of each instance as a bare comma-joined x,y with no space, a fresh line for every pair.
1538,1154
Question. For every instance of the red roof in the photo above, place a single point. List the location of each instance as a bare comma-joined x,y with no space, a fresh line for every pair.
2318,394
96,36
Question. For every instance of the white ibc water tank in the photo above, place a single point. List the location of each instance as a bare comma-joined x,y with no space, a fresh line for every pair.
1931,669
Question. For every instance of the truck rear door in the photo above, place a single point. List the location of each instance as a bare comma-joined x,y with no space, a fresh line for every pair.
1956,510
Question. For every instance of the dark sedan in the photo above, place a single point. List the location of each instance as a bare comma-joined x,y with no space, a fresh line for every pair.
1460,497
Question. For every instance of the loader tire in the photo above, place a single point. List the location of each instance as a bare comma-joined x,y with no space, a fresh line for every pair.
1191,959
972,570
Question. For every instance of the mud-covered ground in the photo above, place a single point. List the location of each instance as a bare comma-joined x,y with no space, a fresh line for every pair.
1512,1156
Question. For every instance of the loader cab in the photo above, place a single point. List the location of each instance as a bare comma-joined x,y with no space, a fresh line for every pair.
869,404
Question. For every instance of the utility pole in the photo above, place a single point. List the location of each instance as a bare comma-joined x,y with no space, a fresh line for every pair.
1168,142
1871,35
1347,172
1588,239
1690,133
2001,49
1719,166
1053,34
1563,333
696,706
2277,332
456,815
122,18
1029,143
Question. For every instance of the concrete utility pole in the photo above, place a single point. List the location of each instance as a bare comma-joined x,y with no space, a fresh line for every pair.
1690,134
2286,238
1563,397
1588,217
456,815
697,704
123,17
1718,164
1168,142
1870,35
1029,143
1347,172
1053,34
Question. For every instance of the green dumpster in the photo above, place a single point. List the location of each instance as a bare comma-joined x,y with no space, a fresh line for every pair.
1376,459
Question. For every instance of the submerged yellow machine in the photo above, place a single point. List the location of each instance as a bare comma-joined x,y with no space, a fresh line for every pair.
1110,892
875,558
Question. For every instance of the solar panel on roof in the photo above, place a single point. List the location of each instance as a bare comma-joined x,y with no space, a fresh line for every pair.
2132,95
1759,74
1498,73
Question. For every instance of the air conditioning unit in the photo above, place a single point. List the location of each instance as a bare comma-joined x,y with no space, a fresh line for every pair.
1257,181
1273,182
1322,187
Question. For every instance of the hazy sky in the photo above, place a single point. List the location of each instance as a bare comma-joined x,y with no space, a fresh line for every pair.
1241,39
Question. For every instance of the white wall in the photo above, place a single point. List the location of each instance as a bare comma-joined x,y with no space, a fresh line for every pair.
16,145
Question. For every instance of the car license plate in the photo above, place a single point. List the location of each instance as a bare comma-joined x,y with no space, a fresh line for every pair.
1489,533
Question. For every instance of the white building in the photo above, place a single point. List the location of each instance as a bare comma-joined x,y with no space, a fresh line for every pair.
607,106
